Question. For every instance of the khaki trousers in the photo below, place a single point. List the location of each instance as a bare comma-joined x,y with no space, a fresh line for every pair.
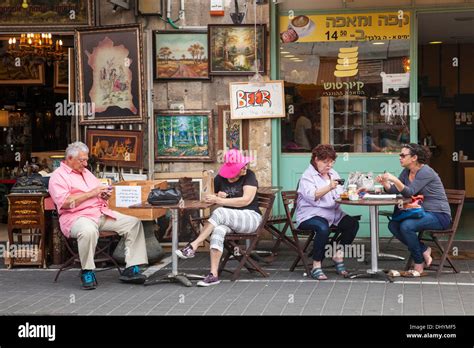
86,231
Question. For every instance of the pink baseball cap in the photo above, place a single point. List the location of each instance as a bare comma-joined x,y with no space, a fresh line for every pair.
234,161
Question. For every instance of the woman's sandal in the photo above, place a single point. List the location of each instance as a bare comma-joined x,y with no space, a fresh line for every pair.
318,274
341,268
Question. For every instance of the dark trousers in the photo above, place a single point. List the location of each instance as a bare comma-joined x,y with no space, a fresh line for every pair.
347,228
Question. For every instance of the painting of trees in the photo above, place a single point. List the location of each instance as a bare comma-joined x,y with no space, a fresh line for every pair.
181,55
183,136
233,48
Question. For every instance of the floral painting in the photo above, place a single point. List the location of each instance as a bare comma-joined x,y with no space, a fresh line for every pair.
181,55
111,74
184,136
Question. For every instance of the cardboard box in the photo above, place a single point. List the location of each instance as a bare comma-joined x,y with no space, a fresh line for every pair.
125,195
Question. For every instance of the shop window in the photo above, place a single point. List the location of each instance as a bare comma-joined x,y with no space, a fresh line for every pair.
354,110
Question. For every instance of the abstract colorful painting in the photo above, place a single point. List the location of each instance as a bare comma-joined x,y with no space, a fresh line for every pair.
181,55
184,136
232,134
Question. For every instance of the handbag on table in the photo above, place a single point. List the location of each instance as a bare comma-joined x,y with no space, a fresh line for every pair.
169,196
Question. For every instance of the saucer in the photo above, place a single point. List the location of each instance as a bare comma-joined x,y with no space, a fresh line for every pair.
306,31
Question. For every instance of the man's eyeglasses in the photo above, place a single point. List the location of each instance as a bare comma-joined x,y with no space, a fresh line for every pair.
403,155
83,159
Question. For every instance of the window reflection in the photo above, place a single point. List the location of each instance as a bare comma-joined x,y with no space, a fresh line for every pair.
355,111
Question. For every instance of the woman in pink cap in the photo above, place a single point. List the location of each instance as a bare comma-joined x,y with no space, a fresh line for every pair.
236,191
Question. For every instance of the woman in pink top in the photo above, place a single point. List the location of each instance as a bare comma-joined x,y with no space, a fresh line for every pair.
317,210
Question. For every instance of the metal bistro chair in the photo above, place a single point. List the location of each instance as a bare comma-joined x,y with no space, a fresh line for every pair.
456,201
232,246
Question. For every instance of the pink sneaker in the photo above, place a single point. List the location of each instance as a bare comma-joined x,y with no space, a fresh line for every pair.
186,253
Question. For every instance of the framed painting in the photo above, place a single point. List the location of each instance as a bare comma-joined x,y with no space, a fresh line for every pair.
180,55
28,73
232,134
50,15
116,147
234,51
110,74
61,76
253,101
186,234
184,136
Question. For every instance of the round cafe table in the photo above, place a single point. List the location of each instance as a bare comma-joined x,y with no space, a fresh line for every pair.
373,205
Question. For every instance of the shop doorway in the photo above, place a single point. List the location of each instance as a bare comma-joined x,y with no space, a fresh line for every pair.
446,88
446,97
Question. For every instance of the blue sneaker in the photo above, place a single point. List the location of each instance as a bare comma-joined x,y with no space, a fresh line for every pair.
133,275
89,282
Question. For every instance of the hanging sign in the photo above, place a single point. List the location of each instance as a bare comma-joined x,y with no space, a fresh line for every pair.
346,27
257,100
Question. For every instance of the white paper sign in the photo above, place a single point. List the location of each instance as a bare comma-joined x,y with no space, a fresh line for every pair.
395,81
252,100
126,196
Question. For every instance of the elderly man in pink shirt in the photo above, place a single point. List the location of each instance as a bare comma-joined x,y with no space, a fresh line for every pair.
82,204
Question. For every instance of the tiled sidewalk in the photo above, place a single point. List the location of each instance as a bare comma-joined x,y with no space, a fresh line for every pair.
32,291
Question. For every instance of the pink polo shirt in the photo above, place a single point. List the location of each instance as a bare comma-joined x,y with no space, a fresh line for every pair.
64,182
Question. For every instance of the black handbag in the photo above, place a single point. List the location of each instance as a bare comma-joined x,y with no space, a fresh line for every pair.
164,197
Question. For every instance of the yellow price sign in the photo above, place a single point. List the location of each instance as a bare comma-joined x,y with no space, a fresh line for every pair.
346,27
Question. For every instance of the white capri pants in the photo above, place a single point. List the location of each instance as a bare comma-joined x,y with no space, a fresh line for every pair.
227,220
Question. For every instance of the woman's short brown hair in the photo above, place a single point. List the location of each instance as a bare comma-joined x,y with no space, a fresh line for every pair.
323,152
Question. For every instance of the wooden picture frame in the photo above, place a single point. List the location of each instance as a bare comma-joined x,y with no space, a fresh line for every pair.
257,100
231,134
51,15
61,76
189,53
110,74
239,57
184,136
116,147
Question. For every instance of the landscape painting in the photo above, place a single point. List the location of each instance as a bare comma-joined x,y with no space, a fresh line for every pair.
181,55
233,50
184,136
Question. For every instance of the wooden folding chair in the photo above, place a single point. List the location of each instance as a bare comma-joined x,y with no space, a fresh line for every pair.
289,203
102,251
232,246
456,201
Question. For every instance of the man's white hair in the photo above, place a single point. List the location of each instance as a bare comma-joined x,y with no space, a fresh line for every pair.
76,147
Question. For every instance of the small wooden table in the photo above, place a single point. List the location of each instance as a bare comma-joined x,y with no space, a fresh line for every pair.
26,211
373,205
174,276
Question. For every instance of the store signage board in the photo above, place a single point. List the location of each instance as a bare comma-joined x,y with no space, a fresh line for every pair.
346,27
257,100
126,196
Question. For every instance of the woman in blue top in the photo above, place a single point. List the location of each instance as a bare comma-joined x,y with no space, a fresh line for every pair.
418,178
